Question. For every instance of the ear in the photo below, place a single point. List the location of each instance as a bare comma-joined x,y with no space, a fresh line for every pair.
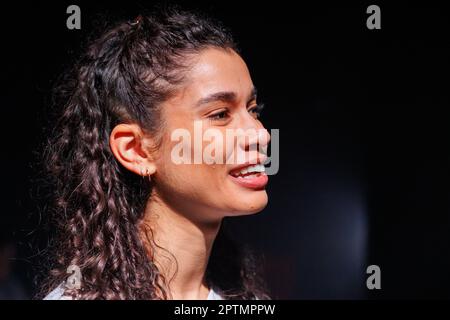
127,142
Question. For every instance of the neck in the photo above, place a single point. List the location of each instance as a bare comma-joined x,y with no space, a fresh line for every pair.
181,249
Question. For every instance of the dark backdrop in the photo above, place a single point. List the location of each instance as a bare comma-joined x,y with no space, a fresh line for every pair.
364,140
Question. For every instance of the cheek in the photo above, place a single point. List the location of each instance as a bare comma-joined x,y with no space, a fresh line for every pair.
218,147
203,184
178,172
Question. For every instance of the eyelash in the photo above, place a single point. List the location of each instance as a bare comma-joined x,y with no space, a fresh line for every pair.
218,116
257,109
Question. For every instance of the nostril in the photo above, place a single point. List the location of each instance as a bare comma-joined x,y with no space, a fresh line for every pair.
253,139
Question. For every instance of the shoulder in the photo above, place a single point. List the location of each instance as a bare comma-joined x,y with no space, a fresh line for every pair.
214,295
58,294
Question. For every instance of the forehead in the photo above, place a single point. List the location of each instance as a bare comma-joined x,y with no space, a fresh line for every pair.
216,70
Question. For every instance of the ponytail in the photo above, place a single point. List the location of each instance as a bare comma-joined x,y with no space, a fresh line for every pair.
98,204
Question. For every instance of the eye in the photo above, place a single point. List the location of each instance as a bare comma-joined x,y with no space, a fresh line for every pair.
256,110
219,116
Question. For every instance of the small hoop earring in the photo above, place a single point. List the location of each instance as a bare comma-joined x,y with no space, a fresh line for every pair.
147,173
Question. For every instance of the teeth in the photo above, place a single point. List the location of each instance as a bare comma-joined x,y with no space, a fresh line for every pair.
253,168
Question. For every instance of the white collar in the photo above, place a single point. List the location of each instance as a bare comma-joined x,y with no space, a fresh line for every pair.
58,294
213,295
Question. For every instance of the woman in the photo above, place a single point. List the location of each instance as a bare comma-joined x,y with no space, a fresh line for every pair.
132,220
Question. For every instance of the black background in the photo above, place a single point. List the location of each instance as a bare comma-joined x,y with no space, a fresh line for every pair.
364,140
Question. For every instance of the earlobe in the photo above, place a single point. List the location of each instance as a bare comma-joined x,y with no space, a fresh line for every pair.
148,172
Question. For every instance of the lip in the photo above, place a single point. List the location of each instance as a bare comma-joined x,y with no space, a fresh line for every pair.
259,160
257,183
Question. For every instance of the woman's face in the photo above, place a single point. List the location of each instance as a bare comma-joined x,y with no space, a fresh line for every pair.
218,98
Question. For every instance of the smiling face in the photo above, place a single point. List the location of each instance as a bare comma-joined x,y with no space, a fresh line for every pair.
218,96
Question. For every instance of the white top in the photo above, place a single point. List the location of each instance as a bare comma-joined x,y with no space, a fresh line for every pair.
58,294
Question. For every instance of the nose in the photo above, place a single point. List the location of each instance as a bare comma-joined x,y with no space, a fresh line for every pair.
256,136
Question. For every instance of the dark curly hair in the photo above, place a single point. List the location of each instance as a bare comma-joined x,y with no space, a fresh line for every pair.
99,205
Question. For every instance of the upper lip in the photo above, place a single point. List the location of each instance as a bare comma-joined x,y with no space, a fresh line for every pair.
259,160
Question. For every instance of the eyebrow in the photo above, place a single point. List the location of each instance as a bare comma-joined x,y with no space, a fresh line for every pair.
224,96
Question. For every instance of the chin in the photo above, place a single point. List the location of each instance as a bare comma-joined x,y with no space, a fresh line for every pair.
247,204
